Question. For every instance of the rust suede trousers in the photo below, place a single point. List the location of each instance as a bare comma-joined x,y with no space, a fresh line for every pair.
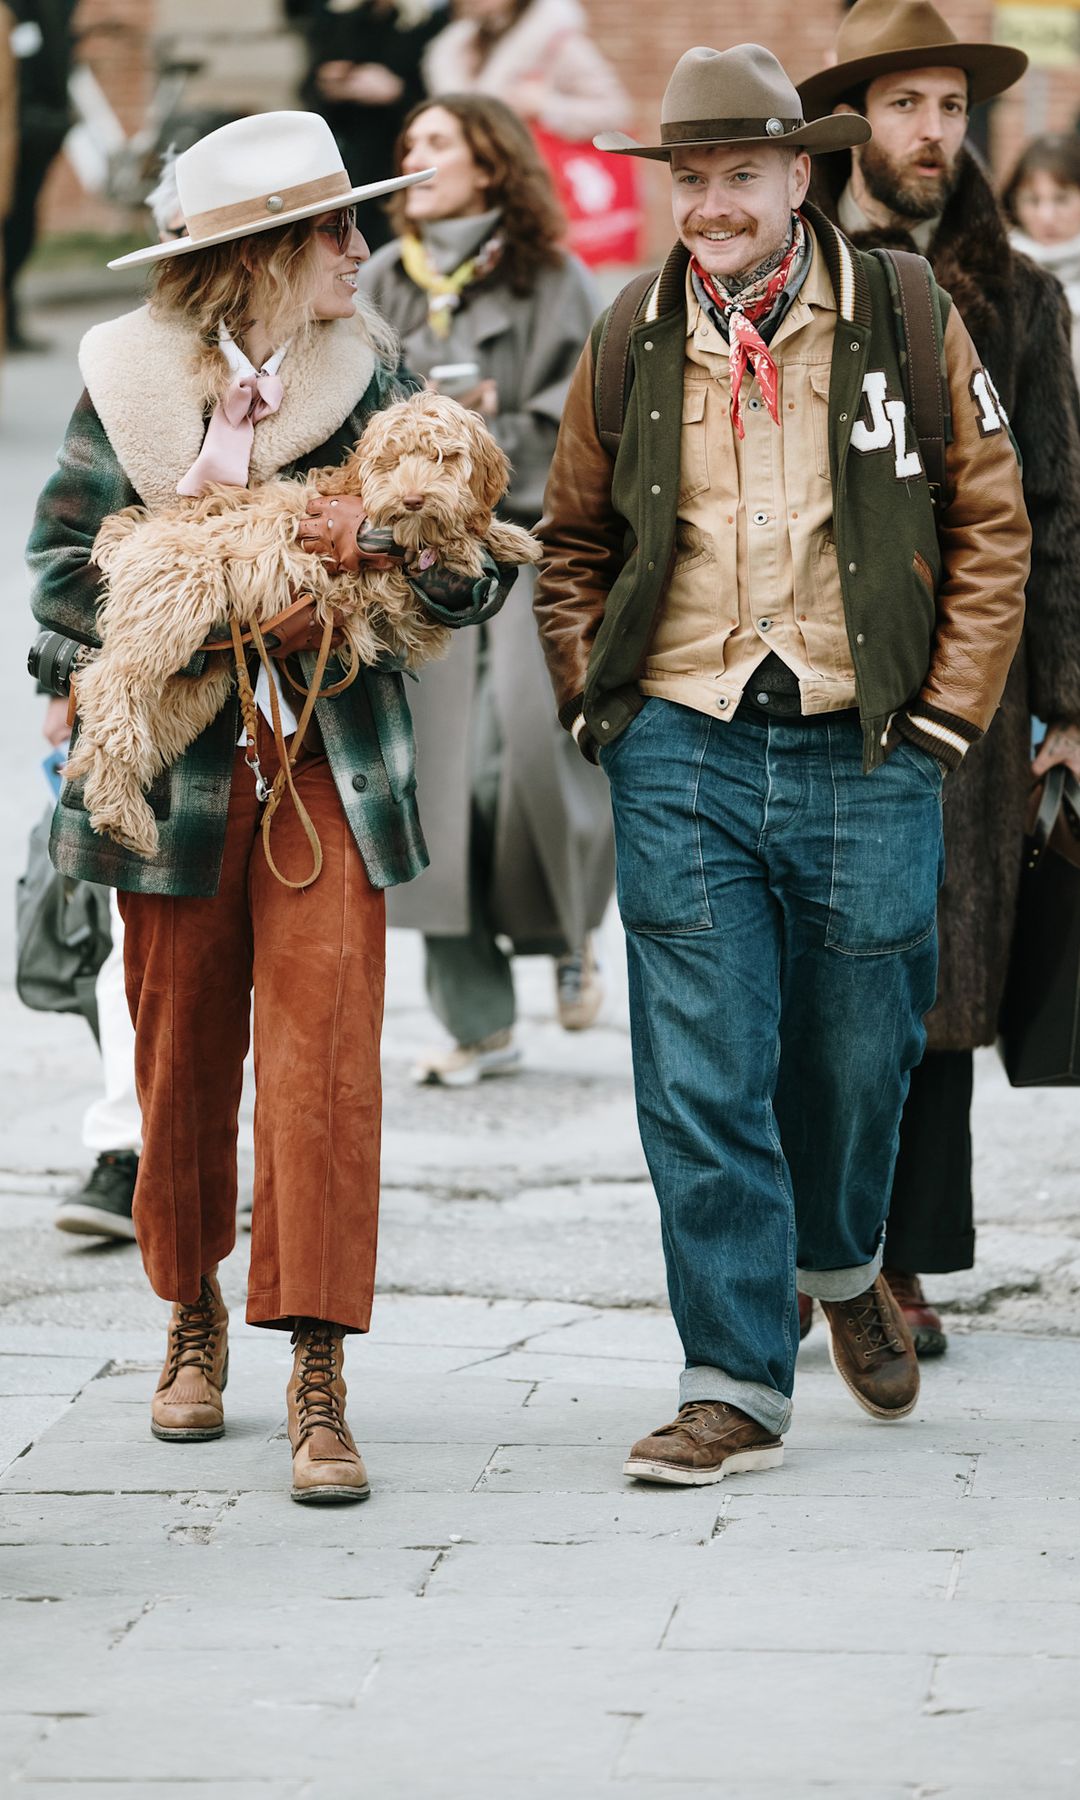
316,960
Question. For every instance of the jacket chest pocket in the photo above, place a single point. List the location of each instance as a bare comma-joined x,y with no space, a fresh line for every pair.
819,415
693,451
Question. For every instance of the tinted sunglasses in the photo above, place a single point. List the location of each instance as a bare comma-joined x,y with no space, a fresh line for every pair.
340,227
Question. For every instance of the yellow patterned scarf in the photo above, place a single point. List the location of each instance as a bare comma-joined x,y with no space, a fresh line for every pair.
444,291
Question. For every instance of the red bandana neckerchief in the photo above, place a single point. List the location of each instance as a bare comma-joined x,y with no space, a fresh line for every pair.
740,312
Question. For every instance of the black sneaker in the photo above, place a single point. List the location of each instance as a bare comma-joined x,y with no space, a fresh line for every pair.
102,1206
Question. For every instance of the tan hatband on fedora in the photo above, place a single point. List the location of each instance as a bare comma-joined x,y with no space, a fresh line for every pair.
256,173
738,96
878,36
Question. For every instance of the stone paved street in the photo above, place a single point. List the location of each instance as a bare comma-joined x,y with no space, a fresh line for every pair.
894,1613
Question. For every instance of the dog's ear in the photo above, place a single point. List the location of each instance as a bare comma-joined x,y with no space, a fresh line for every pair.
491,469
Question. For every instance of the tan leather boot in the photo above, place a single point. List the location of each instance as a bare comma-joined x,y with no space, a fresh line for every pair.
187,1406
326,1463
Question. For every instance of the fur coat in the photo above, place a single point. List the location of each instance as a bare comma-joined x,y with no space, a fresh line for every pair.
549,43
1019,320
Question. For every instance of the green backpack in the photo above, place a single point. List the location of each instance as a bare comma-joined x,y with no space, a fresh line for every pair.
920,338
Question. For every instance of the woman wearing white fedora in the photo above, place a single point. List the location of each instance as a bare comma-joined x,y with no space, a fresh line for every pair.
255,342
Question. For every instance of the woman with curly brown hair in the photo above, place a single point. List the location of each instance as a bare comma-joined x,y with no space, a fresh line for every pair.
490,307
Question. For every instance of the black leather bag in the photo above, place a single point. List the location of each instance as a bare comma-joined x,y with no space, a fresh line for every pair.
1040,1016
63,934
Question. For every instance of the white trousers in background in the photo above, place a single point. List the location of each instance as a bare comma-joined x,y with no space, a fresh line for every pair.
113,1121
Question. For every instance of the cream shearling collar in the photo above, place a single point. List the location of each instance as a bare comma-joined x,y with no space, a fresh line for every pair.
139,374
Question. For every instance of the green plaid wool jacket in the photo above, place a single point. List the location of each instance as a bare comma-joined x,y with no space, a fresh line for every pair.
367,730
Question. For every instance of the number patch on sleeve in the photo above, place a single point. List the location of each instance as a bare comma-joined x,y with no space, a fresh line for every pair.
992,416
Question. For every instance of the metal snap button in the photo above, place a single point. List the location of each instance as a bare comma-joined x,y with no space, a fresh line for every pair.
762,699
274,203
655,489
654,415
359,783
853,568
649,344
860,637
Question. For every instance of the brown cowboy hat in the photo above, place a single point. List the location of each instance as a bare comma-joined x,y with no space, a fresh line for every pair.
739,96
880,35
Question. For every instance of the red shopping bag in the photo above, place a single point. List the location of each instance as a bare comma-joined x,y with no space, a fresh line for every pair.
599,194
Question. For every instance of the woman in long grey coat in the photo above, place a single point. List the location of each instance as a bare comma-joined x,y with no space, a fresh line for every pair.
517,823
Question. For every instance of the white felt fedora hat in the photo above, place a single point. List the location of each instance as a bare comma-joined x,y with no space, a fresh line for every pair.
257,173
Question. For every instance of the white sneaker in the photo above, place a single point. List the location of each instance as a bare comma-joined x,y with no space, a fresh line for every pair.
466,1064
579,991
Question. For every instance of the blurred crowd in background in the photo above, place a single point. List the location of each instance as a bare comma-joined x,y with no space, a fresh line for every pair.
489,274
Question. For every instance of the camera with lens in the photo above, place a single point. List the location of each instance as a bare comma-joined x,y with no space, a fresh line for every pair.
53,659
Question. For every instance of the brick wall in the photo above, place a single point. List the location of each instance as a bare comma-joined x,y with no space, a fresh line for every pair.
119,61
251,60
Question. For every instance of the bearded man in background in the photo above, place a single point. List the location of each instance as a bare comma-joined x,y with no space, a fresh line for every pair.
916,186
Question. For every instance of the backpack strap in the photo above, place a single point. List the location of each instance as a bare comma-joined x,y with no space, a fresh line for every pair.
614,367
916,298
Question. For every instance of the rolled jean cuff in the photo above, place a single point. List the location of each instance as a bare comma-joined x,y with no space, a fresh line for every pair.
762,1403
840,1284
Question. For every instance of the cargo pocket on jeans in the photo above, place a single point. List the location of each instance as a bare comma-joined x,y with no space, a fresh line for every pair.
660,868
887,857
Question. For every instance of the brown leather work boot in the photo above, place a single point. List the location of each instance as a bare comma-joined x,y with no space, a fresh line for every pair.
806,1316
872,1352
326,1463
707,1441
922,1320
187,1406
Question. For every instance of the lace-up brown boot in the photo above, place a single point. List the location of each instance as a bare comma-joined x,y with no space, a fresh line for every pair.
707,1441
872,1352
326,1463
187,1406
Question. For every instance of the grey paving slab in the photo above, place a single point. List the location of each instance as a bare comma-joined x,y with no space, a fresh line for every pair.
23,1418
914,1522
207,1788
191,1670
946,1625
628,1566
134,1576
835,1696
461,1320
422,1625
1048,1577
248,1743
483,1517
46,1374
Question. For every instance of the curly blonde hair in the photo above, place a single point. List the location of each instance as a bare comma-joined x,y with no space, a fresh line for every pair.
270,276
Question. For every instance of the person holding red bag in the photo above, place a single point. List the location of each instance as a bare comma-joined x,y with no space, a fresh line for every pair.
538,56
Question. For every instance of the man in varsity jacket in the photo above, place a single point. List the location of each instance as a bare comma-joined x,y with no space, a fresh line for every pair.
777,646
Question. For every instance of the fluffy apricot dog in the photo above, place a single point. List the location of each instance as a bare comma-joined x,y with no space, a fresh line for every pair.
175,578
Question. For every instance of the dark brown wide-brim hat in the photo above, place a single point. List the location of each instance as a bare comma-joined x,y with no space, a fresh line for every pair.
738,96
878,36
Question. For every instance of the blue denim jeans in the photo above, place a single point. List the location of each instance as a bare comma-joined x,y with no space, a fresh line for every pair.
779,908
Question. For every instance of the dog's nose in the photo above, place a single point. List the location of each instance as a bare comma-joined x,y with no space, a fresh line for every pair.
412,502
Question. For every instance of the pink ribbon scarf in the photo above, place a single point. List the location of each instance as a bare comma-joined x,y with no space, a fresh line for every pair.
251,395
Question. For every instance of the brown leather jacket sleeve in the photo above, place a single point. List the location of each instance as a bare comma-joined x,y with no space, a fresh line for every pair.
985,545
582,537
